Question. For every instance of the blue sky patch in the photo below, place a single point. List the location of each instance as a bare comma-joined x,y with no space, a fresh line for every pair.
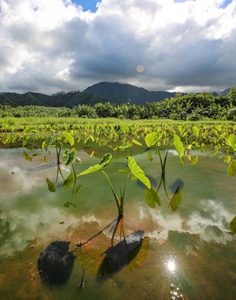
226,3
87,4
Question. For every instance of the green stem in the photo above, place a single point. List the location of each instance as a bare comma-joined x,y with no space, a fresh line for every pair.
118,202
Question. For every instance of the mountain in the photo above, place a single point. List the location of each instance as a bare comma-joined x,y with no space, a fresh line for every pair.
57,100
114,92
225,92
119,93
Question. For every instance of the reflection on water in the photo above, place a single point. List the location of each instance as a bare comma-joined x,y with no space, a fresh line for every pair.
120,255
171,265
188,254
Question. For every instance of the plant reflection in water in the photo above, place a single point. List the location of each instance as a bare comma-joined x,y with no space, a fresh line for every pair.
55,263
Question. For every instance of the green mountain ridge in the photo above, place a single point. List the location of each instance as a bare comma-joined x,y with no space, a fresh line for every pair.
113,92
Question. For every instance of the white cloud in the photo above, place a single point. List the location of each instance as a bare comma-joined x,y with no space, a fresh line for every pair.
52,45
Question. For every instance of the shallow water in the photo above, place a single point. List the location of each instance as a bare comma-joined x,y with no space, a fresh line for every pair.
188,254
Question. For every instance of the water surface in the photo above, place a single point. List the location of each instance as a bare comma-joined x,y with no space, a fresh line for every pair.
188,254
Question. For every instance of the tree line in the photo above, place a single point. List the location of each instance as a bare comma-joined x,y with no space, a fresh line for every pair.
190,107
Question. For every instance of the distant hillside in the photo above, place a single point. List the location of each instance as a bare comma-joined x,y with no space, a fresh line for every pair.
56,100
225,92
115,93
119,93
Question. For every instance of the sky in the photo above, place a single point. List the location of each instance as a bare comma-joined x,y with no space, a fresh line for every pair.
68,45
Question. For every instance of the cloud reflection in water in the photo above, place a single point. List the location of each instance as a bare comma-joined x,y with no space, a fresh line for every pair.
210,222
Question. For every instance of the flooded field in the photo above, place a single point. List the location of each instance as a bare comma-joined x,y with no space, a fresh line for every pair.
187,254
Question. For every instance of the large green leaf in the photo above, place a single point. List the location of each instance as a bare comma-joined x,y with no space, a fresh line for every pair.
51,185
152,198
178,145
98,167
232,225
152,138
232,141
137,172
68,137
176,199
69,181
231,171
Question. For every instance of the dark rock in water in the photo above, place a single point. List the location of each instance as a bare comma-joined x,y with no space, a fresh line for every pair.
120,255
177,183
55,263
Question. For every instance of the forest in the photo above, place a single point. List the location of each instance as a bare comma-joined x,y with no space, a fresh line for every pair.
189,107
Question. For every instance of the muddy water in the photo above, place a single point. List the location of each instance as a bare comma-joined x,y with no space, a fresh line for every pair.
188,254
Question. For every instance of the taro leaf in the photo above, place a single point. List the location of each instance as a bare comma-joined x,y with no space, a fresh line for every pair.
232,225
51,185
68,204
69,181
125,146
48,143
195,130
26,156
227,159
138,172
89,138
68,137
176,199
77,188
151,139
68,157
90,170
231,171
194,160
136,142
78,160
98,167
178,145
106,159
151,197
232,141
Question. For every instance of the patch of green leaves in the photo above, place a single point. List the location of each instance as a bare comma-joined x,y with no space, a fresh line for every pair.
152,198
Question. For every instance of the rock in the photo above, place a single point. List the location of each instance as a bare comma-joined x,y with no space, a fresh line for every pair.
55,263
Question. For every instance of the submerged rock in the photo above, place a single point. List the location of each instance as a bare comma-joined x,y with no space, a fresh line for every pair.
55,263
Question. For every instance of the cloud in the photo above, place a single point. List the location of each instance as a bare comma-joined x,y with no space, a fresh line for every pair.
209,222
48,46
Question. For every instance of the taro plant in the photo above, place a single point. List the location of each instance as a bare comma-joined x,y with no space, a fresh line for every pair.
152,195
134,170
